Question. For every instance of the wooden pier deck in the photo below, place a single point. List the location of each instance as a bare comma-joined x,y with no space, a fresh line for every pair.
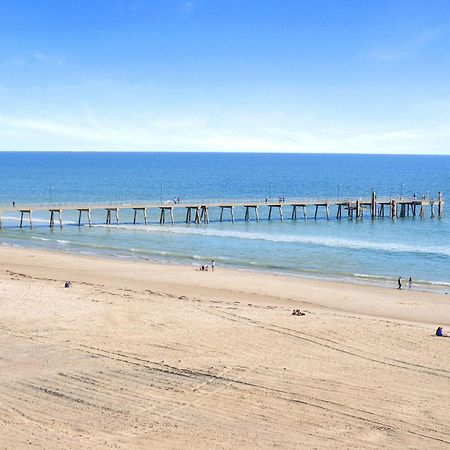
198,212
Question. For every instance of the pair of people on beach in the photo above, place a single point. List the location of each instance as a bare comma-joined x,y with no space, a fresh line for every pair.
399,283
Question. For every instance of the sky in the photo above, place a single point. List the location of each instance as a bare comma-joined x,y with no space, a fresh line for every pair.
334,76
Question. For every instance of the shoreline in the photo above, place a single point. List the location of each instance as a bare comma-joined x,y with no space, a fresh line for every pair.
440,288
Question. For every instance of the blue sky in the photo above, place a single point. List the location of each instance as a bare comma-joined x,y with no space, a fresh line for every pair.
360,76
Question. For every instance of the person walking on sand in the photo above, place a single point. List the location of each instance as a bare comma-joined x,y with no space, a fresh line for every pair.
410,283
213,264
399,283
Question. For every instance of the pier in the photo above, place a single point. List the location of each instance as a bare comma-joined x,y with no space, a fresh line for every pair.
198,212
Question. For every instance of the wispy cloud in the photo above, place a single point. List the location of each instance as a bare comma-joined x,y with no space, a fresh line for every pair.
188,6
197,135
47,58
402,50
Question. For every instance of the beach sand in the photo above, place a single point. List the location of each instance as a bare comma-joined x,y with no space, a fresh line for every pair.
145,355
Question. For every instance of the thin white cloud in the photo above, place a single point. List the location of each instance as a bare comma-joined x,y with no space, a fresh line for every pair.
188,6
47,58
195,135
403,50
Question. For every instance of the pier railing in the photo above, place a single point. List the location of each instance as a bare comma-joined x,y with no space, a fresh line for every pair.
237,201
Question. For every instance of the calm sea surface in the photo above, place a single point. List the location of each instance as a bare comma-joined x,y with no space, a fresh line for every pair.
366,250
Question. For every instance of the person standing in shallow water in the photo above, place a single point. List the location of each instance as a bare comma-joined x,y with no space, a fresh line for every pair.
410,283
399,283
213,265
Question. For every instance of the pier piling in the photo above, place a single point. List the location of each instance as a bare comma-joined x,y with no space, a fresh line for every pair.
88,212
204,216
440,205
26,211
52,217
280,210
373,206
247,212
162,217
109,212
230,208
144,211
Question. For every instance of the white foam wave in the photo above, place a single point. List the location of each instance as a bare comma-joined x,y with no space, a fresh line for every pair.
36,220
394,247
375,277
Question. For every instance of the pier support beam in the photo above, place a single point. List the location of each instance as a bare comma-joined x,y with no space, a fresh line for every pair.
327,209
229,207
144,210
393,209
373,206
280,210
189,210
247,212
422,208
402,210
109,215
294,210
358,210
86,210
349,209
440,205
204,216
52,217
26,211
162,217
201,214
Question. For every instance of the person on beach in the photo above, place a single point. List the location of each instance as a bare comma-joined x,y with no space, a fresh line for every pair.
399,283
14,204
410,283
440,332
213,264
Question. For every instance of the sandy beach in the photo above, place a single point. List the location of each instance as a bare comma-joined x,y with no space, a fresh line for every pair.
144,355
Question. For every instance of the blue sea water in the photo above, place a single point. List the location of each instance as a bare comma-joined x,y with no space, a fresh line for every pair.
368,251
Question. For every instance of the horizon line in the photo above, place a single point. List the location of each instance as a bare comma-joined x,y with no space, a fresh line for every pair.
224,152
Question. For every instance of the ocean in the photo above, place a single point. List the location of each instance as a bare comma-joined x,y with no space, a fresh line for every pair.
366,251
